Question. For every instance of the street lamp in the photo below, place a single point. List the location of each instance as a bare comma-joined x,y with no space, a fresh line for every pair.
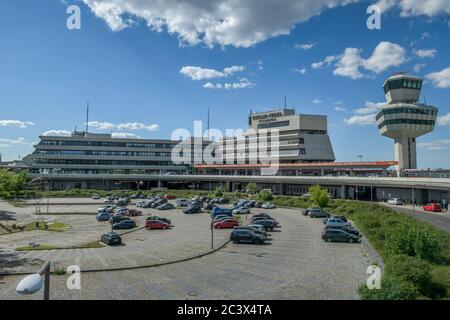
33,283
360,156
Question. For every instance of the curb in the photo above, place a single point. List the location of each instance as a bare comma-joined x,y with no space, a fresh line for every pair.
153,265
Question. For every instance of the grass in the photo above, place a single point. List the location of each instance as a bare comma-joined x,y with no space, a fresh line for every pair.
55,226
90,245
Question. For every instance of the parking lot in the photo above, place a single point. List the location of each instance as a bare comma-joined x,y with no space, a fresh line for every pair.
295,264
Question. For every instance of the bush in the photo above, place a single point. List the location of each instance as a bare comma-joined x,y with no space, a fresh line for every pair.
319,196
412,240
392,288
218,193
265,196
410,269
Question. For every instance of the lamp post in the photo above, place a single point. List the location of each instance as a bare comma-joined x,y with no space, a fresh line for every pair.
360,156
33,283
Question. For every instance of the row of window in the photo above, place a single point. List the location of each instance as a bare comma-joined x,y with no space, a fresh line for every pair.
93,171
39,161
407,121
107,144
422,111
104,153
277,124
402,84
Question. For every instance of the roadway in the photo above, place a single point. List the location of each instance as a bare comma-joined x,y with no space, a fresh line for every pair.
439,220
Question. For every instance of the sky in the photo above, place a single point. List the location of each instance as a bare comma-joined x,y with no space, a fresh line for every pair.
148,67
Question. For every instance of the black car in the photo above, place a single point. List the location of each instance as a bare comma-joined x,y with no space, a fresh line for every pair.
267,224
245,235
319,214
262,214
111,238
335,217
224,200
165,220
209,206
274,221
348,229
193,209
253,229
125,224
337,235
118,218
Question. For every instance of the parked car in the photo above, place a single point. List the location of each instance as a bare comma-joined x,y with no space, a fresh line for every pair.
209,205
133,213
226,224
96,197
306,212
262,214
335,217
337,235
111,238
348,229
182,203
433,207
120,211
108,200
221,211
124,224
169,197
246,235
267,224
223,200
274,221
103,216
166,206
193,209
165,220
268,206
108,209
156,224
395,201
241,210
335,221
254,228
319,214
117,219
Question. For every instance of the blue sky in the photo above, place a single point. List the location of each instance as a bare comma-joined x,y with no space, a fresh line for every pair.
150,67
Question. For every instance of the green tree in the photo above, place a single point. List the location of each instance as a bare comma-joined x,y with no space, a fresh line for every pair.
251,188
218,193
265,196
319,196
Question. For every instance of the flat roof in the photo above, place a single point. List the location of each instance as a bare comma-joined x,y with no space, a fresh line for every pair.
321,165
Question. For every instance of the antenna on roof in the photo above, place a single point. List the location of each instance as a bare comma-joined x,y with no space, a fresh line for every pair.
208,123
285,102
87,117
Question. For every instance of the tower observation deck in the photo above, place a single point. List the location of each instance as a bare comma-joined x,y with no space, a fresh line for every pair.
404,119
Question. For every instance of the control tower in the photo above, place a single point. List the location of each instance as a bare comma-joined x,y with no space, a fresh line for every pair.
403,118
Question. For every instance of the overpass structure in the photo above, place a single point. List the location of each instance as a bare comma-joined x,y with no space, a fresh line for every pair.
346,187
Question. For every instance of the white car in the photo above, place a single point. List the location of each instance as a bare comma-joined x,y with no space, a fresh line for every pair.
268,206
241,210
395,201
96,197
108,200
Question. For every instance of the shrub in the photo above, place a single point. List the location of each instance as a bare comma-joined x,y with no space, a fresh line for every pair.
265,196
251,188
413,270
392,288
218,193
319,196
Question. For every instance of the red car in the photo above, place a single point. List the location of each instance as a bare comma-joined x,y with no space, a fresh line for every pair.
226,224
433,207
156,224
169,197
133,213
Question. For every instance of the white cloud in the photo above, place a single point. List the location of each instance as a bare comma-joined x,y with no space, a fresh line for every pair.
124,135
101,125
14,141
419,66
425,53
304,46
63,133
300,70
444,120
440,79
361,120
317,101
328,60
137,126
225,22
198,73
243,83
349,63
435,145
417,7
16,123
371,107
340,109
385,55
